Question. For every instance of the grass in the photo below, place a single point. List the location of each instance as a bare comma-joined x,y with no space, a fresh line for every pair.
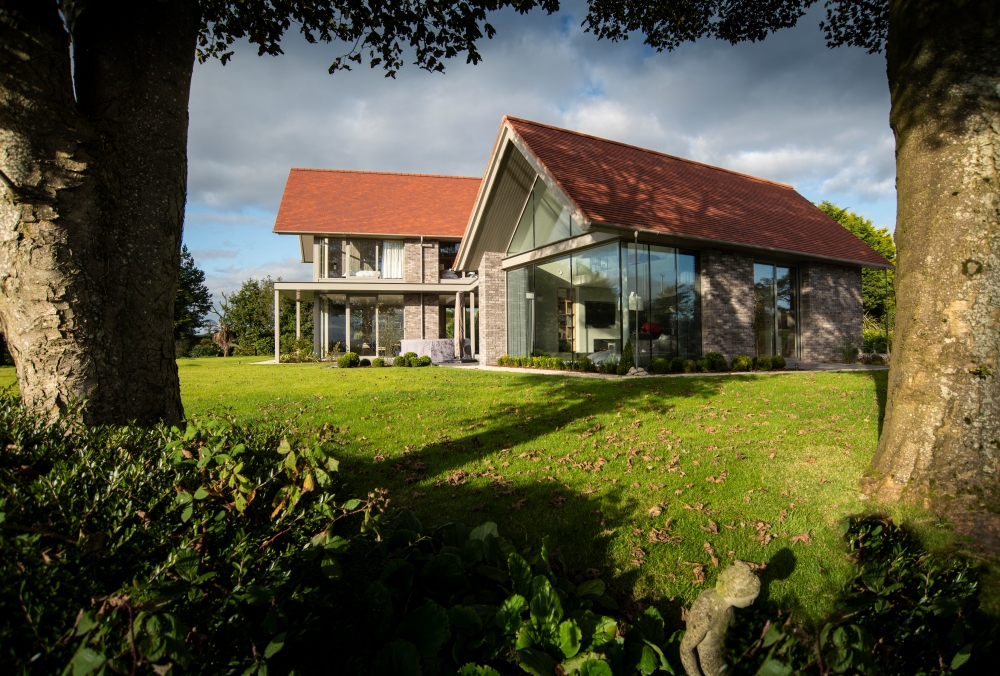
760,468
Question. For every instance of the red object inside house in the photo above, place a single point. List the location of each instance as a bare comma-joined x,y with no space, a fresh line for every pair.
649,327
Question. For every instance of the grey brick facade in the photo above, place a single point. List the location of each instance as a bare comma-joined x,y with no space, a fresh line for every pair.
492,300
831,310
411,261
727,303
411,316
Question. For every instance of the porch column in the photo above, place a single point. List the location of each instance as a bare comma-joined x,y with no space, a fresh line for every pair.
277,328
298,315
472,322
459,324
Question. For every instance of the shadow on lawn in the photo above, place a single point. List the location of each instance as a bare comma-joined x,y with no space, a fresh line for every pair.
579,523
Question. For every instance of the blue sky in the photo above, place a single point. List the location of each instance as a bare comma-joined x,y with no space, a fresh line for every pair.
787,109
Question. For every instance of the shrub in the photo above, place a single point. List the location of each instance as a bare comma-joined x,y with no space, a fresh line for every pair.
877,360
410,355
716,361
873,340
399,361
503,360
742,363
627,360
206,348
586,365
365,361
378,362
849,352
690,366
610,365
558,364
348,360
703,365
413,361
424,361
761,363
264,346
658,365
677,365
778,362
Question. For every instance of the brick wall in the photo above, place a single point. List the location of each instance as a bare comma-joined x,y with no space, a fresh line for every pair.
831,310
492,301
411,316
727,303
411,261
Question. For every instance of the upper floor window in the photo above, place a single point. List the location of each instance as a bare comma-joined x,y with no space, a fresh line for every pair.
360,258
543,221
447,252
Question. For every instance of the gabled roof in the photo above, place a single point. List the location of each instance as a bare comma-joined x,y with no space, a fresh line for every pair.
615,184
332,201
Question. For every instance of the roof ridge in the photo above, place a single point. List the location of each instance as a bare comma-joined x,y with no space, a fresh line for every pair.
647,150
386,173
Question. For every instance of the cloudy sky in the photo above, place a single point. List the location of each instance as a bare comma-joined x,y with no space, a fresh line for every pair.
787,109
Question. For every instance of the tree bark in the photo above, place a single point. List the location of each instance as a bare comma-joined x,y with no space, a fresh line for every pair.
941,435
93,158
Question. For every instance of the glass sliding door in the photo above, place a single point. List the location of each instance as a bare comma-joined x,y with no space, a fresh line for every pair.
597,295
362,335
520,298
775,320
390,325
555,328
635,291
333,325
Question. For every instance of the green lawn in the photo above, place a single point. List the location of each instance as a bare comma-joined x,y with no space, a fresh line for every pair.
644,479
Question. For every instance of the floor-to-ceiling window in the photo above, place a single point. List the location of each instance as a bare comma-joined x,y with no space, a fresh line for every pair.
368,325
390,325
593,301
775,320
333,324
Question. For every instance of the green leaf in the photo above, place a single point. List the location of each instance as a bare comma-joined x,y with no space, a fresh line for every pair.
648,662
536,662
595,668
546,609
183,498
570,638
284,447
186,564
397,576
773,667
475,670
465,621
201,493
275,646
445,573
508,618
590,588
86,661
651,624
523,639
520,574
962,656
399,658
427,628
598,630
378,603
480,533
350,505
331,567
186,514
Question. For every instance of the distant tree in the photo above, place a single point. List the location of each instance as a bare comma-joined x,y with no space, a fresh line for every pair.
878,294
193,301
250,316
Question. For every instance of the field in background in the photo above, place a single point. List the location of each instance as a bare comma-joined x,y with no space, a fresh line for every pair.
657,482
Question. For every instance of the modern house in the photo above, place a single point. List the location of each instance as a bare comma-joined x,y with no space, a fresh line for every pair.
575,245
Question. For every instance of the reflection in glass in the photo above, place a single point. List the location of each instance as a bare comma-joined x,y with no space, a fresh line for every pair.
635,291
554,309
362,258
519,319
688,306
363,325
390,325
333,324
763,309
596,285
662,328
786,311
524,235
543,221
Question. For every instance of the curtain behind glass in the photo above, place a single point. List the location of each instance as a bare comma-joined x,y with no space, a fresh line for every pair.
519,320
392,259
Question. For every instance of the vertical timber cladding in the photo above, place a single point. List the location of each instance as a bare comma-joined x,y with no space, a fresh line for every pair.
492,309
831,310
727,303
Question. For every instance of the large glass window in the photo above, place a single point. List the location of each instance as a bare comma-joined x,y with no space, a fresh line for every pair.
360,258
592,301
390,325
363,325
390,259
333,324
543,221
331,261
775,320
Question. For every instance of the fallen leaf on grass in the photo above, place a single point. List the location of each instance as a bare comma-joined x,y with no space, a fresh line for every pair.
419,495
698,571
811,460
711,553
781,515
656,535
801,537
557,500
711,528
770,456
823,480
678,492
519,504
655,511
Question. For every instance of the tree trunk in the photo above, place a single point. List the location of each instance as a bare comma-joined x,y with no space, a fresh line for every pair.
94,171
941,434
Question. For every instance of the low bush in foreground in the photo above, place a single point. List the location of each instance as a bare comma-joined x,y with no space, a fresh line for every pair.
349,360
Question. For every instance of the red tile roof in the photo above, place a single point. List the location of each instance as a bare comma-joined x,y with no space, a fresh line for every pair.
619,184
318,201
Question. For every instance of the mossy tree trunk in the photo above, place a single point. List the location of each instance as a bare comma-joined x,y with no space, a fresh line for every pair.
941,435
93,155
